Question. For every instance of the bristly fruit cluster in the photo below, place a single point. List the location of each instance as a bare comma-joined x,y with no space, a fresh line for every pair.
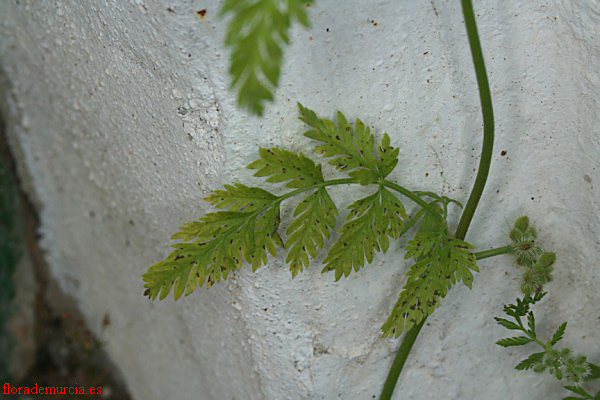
537,263
247,229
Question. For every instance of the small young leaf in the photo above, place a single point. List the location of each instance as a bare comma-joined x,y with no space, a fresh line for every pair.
388,156
514,341
558,335
578,390
507,324
531,361
538,296
531,323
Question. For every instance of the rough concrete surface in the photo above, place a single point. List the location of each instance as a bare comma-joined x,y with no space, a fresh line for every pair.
120,114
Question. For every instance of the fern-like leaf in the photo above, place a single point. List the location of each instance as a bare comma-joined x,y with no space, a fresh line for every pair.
221,241
351,147
372,220
315,218
441,261
257,33
281,165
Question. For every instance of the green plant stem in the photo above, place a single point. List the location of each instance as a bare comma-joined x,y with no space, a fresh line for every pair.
487,110
332,182
407,193
345,181
480,180
493,252
399,360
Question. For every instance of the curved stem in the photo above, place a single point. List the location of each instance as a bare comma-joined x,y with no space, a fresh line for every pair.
488,120
480,180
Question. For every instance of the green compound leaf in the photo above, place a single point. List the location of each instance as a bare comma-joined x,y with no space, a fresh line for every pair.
221,242
372,220
441,261
351,147
315,219
514,341
281,165
257,33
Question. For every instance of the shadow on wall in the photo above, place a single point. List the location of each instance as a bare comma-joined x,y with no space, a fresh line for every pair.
44,339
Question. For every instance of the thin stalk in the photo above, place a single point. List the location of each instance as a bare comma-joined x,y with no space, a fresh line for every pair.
412,196
332,182
399,360
493,252
480,180
345,181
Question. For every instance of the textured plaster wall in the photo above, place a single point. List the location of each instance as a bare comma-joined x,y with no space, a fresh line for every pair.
120,113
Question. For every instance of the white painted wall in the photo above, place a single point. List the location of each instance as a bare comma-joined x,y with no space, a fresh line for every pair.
121,114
